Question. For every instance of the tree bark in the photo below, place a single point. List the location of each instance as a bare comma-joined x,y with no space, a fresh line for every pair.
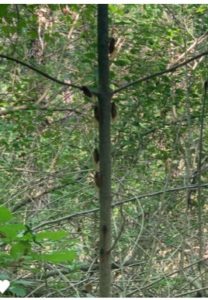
104,106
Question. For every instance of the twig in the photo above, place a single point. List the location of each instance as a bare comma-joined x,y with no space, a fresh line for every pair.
198,177
177,189
90,211
6,111
30,199
191,292
119,234
84,268
169,70
40,72
66,218
165,276
36,289
195,43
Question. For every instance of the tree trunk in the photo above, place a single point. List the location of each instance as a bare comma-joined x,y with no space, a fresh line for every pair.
104,108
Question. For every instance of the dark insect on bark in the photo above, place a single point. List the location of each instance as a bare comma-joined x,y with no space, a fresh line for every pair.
113,110
86,91
206,85
102,252
96,156
97,179
112,43
97,112
104,228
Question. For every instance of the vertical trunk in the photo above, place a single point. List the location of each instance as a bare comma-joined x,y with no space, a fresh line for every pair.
105,152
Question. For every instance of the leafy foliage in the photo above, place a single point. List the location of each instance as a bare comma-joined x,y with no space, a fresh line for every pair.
48,200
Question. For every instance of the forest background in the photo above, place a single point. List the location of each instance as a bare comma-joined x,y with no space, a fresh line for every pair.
49,213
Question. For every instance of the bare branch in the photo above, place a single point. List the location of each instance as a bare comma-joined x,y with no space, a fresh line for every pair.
5,111
90,211
172,69
39,71
8,110
30,199
167,275
66,218
191,292
196,42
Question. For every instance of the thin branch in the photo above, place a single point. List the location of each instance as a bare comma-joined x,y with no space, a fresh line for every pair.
177,189
169,70
66,218
197,41
90,211
167,275
6,111
198,177
191,292
40,72
84,268
29,200
202,117
118,236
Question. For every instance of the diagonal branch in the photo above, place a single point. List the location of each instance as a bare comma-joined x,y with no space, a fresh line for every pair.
40,72
165,276
169,70
197,42
24,202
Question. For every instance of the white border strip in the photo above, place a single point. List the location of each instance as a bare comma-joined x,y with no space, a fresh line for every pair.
104,2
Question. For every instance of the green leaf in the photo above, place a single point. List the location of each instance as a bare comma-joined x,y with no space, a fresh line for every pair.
201,9
5,214
122,62
3,10
4,276
20,249
57,257
23,282
51,235
11,230
19,291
